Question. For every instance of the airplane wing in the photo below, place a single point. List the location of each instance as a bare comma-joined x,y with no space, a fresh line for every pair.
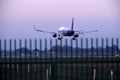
44,31
83,31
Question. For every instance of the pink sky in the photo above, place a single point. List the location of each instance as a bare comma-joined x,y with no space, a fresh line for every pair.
17,16
35,9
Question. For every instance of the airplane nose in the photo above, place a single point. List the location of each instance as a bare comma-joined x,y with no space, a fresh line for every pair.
64,33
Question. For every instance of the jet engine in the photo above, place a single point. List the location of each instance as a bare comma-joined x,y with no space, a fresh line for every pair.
76,35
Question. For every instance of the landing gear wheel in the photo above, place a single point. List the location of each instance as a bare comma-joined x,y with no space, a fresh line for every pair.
59,38
73,38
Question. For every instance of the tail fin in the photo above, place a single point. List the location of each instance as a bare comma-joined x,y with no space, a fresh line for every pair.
72,24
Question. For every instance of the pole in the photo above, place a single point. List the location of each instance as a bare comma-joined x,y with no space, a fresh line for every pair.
94,74
111,74
47,74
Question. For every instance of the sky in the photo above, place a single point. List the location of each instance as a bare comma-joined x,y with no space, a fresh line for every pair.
17,17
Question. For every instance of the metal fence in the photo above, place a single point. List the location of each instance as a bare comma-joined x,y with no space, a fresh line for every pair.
82,59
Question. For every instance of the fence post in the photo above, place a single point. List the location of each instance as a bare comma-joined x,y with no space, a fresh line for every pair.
118,60
0,51
53,71
28,68
0,61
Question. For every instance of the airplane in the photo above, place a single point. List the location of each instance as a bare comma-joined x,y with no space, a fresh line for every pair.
65,31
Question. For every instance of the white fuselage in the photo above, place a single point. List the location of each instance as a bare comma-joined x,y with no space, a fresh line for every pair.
65,31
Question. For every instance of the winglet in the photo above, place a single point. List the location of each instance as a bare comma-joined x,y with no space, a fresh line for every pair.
94,30
72,24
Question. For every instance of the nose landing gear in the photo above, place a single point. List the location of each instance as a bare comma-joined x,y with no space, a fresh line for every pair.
60,37
73,38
